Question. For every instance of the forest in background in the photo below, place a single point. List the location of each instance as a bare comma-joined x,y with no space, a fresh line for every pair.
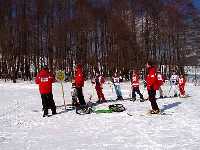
104,35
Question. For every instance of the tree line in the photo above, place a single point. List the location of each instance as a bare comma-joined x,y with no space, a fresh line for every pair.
102,35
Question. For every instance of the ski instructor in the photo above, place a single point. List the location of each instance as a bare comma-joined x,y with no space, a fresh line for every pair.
152,86
45,79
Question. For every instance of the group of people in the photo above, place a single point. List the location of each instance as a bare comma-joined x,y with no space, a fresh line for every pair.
154,81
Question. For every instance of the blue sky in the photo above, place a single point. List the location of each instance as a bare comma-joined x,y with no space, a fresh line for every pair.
197,3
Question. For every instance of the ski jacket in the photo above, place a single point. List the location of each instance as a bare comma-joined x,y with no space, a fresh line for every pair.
45,80
152,80
135,81
79,77
181,82
99,80
161,79
116,80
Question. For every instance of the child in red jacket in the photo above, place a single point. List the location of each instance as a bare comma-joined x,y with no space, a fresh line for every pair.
45,80
135,86
99,81
181,84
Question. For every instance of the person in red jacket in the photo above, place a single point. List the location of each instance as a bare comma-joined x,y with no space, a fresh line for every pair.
161,81
45,79
181,84
152,86
79,83
135,86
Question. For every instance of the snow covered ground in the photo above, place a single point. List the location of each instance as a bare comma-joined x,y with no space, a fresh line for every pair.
22,126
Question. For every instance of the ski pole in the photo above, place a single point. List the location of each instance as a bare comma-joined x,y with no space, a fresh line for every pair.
63,94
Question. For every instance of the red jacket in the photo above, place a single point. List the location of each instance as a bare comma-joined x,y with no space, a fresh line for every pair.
181,82
152,80
45,80
79,77
135,81
161,79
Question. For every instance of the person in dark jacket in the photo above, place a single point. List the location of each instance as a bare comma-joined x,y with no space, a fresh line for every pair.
45,79
152,86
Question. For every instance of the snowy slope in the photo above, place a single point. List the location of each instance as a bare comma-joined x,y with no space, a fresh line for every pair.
24,128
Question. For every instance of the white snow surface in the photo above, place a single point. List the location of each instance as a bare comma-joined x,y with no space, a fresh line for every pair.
22,126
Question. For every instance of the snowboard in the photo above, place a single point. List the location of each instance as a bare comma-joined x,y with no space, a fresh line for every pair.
88,109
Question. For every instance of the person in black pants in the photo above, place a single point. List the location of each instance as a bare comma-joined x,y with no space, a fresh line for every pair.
45,79
79,83
48,103
152,86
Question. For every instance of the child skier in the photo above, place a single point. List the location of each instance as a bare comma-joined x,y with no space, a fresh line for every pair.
174,82
45,79
74,94
152,86
161,81
135,86
181,84
116,82
98,81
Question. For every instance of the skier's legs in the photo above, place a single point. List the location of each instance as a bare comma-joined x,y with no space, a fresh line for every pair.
52,105
116,90
161,91
119,91
45,103
152,99
138,92
80,96
133,93
182,90
175,90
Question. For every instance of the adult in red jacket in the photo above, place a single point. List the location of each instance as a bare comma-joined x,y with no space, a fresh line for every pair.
135,86
45,80
152,86
181,84
79,83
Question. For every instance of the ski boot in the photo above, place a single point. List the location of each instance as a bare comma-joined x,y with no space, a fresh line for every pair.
133,99
45,114
142,99
175,95
154,111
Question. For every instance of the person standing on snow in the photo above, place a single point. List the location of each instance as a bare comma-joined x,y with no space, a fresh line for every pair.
152,86
181,84
79,83
116,82
161,81
74,94
174,82
99,81
45,79
135,86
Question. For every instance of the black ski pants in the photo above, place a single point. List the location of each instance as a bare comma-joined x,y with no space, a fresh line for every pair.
152,99
134,90
48,103
80,96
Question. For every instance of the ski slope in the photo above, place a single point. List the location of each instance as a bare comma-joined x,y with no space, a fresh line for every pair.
22,126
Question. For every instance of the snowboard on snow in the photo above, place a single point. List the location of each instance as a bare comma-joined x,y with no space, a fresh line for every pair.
91,109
